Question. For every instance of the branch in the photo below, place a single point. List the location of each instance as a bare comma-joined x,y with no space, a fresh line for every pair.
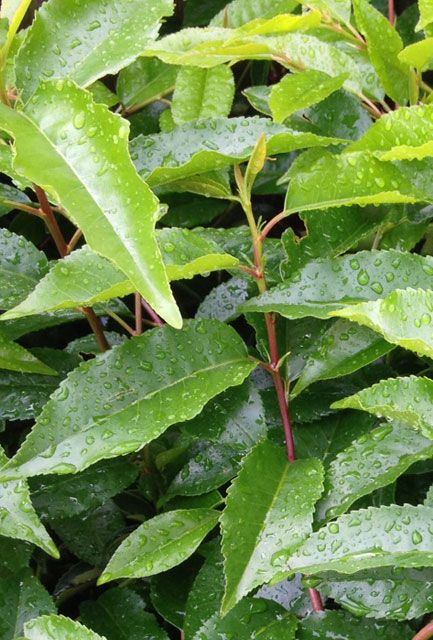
425,633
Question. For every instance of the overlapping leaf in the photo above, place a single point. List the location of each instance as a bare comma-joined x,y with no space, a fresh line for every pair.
57,628
282,514
339,623
146,80
15,358
239,12
114,404
202,93
94,180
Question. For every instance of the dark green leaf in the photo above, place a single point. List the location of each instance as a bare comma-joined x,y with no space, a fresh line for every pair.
144,81
325,626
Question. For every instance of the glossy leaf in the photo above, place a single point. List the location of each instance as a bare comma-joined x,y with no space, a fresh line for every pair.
384,44
11,198
144,81
57,628
169,590
160,544
18,518
223,302
252,619
419,54
366,539
295,92
322,286
22,598
15,358
349,179
240,12
126,217
339,351
95,42
402,318
21,267
406,399
85,278
113,421
396,594
196,148
202,93
119,615
321,626
426,14
283,511
372,461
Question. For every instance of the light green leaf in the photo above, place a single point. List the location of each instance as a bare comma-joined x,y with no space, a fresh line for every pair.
406,399
86,41
283,23
283,510
94,180
22,598
251,619
95,414
200,147
239,12
295,92
402,318
372,461
375,537
426,15
418,54
85,278
15,358
202,93
101,93
322,286
120,614
339,351
384,44
160,544
404,134
395,594
340,9
58,628
144,81
339,624
348,179
18,518
21,267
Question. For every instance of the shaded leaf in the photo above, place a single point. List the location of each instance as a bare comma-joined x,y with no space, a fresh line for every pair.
86,41
283,510
118,223
200,147
58,628
10,197
160,544
110,415
402,318
202,93
223,302
144,81
406,399
322,626
15,358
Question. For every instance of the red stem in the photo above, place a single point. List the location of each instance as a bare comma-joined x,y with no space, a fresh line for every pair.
152,314
271,224
391,11
138,315
316,600
425,633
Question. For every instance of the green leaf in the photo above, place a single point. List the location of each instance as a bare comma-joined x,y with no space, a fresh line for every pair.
22,599
86,41
418,54
103,94
283,23
340,9
375,537
91,416
252,619
372,461
160,544
412,142
10,197
295,92
18,518
402,318
57,628
21,267
119,615
169,590
252,536
144,81
384,44
85,278
321,626
202,93
323,286
15,358
239,12
406,399
223,302
426,15
118,222
88,345
348,179
339,351
200,147
395,594
62,497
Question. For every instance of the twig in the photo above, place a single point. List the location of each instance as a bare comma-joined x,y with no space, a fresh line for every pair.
425,633
138,315
74,241
391,11
152,314
96,326
122,322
